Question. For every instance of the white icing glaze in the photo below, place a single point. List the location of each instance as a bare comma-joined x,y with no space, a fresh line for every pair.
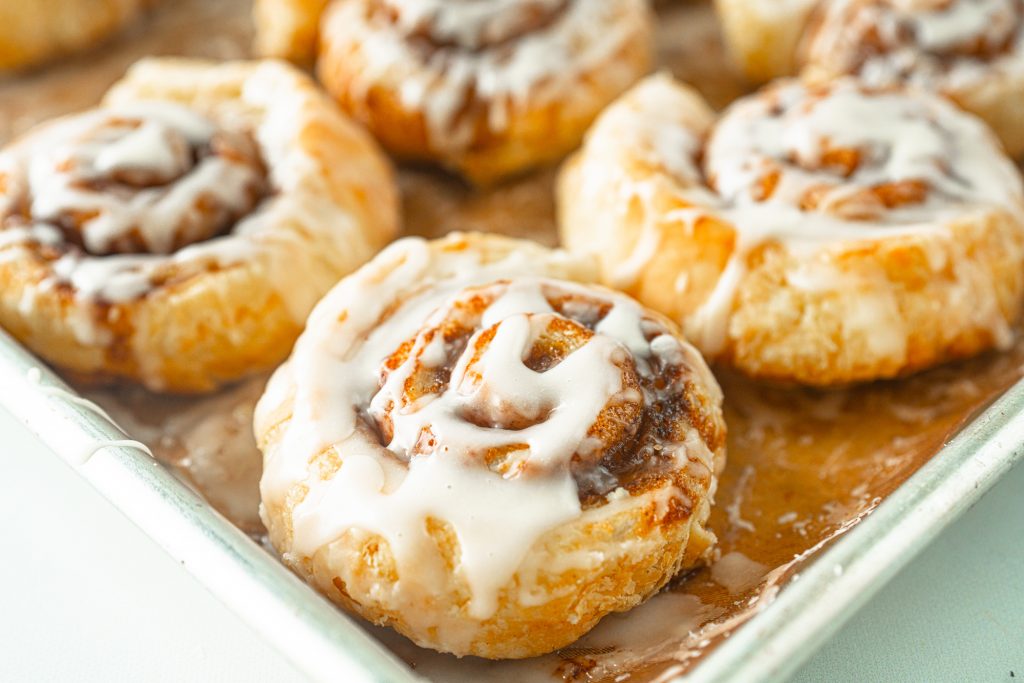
910,138
392,490
36,377
736,572
469,24
207,440
670,626
484,50
930,43
899,138
153,140
322,220
85,454
49,168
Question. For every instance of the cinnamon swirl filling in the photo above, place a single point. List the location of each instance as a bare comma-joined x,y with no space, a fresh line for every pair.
144,179
841,150
475,384
467,25
485,87
472,445
931,43
787,231
107,189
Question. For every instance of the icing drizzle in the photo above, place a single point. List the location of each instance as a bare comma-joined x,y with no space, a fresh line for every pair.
805,167
943,44
454,59
82,456
116,195
466,397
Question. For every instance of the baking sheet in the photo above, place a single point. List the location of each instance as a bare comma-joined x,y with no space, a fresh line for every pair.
804,466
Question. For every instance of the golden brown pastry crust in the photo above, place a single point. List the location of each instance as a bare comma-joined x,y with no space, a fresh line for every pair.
980,65
222,308
609,557
818,311
764,35
288,29
39,30
487,106
975,57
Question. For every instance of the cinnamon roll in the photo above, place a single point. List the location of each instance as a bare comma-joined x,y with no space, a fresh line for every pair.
487,88
179,234
971,51
824,234
472,446
40,30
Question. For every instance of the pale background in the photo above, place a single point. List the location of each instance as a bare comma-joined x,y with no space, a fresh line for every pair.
85,596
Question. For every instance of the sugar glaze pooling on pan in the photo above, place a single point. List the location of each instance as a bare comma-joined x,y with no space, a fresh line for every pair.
854,439
85,454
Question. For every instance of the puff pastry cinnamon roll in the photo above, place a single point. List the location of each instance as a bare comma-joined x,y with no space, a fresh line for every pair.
969,50
40,30
487,88
473,447
179,234
824,234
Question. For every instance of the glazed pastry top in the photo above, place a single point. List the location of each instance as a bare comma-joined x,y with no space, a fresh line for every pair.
190,168
144,178
530,376
454,57
471,25
463,398
809,165
804,167
116,192
856,154
946,44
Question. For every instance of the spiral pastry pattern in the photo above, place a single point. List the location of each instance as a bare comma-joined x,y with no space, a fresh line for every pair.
155,237
487,88
812,232
476,394
971,51
136,179
938,44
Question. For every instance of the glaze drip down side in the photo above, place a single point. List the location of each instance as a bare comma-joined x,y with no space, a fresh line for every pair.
444,393
95,193
808,231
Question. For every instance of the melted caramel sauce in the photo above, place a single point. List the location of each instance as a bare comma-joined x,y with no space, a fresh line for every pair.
803,465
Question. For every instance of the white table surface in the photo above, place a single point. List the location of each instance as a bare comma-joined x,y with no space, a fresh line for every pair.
87,597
